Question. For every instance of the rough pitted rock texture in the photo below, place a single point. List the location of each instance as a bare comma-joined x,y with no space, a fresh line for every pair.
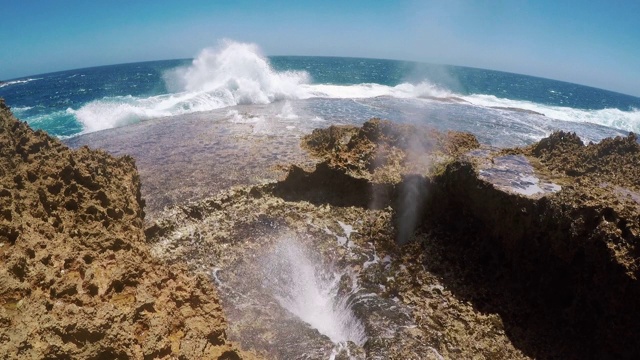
568,260
236,229
383,151
407,294
560,269
613,160
76,277
604,177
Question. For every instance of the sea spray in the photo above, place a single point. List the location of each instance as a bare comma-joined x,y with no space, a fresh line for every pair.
412,190
14,82
287,113
237,71
410,204
84,100
309,290
232,74
628,120
118,111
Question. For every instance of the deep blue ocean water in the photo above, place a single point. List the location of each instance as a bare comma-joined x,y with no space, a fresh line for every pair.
495,105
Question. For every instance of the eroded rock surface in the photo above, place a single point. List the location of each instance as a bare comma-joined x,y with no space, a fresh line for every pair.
505,254
397,292
546,237
568,257
76,277
444,248
197,155
383,151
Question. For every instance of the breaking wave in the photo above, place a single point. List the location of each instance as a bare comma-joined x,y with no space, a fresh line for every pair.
238,74
614,118
233,74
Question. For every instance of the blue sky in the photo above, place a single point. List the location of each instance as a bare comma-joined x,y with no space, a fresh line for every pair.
594,43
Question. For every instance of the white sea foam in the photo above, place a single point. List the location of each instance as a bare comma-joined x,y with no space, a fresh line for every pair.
615,118
122,110
359,91
233,74
19,110
15,82
236,117
237,74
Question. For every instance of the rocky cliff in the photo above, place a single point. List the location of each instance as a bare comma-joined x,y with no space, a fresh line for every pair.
76,277
346,212
556,226
545,236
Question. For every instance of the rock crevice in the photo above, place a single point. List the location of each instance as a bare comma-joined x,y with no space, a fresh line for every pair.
547,235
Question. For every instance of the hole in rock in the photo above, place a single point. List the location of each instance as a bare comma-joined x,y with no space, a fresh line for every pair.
309,290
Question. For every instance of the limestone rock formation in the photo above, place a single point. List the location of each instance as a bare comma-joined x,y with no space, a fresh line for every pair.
383,151
547,236
561,234
337,211
460,250
77,279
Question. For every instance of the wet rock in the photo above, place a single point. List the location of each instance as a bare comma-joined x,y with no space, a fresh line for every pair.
554,225
407,311
507,254
198,155
77,279
244,231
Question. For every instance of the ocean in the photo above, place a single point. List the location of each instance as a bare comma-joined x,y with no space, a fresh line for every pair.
501,109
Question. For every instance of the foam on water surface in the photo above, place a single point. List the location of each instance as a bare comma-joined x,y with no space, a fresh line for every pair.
237,74
17,82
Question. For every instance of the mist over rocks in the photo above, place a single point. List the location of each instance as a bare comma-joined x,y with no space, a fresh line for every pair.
438,246
555,222
394,158
544,237
77,279
555,225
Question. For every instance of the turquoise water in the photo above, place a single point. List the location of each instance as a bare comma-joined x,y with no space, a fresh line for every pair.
339,90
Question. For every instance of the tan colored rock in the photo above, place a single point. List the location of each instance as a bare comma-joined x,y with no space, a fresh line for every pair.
410,312
77,279
544,240
382,151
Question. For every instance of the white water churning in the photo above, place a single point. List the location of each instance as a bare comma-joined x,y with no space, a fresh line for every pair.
304,288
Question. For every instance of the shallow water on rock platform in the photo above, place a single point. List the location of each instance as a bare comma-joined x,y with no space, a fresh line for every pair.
514,173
